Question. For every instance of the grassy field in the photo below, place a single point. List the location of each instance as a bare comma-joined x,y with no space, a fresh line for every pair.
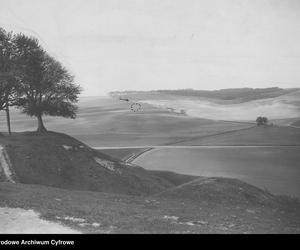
270,135
273,168
59,160
202,206
63,178
229,104
58,177
296,123
237,95
105,121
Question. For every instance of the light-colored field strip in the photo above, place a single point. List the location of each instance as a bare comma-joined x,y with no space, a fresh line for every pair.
21,221
293,126
154,148
5,165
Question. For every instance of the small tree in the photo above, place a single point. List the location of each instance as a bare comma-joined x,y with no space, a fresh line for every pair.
265,120
261,120
46,87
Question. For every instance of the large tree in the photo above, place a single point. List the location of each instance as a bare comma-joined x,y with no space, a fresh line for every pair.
8,80
45,86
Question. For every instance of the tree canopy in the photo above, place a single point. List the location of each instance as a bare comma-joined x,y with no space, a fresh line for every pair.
261,120
42,86
7,77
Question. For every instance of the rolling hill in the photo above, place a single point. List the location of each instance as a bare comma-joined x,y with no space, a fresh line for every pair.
106,121
165,117
216,205
270,135
228,104
59,160
234,95
69,183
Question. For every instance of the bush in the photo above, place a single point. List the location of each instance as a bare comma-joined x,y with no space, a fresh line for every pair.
261,120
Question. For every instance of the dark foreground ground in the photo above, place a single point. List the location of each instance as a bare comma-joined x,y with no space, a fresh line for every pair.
68,182
183,210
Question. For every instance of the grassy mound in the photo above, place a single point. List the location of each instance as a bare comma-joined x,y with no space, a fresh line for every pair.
57,173
58,160
221,191
115,213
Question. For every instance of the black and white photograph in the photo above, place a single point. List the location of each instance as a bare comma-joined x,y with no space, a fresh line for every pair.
149,117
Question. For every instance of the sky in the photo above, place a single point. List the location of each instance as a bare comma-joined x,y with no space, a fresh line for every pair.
113,45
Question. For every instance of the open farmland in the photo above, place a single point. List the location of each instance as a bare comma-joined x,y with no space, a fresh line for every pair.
278,105
273,166
106,121
273,135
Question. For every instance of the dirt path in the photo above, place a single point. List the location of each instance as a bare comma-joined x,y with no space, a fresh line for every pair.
21,221
132,157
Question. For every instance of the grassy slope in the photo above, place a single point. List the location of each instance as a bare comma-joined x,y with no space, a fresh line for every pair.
250,136
224,95
253,136
104,121
125,154
213,210
206,205
151,126
174,178
110,122
244,106
296,123
43,160
131,213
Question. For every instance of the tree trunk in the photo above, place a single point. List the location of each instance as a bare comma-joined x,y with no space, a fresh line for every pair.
41,127
8,119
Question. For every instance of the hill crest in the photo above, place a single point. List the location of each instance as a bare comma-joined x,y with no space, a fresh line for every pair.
58,160
230,94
